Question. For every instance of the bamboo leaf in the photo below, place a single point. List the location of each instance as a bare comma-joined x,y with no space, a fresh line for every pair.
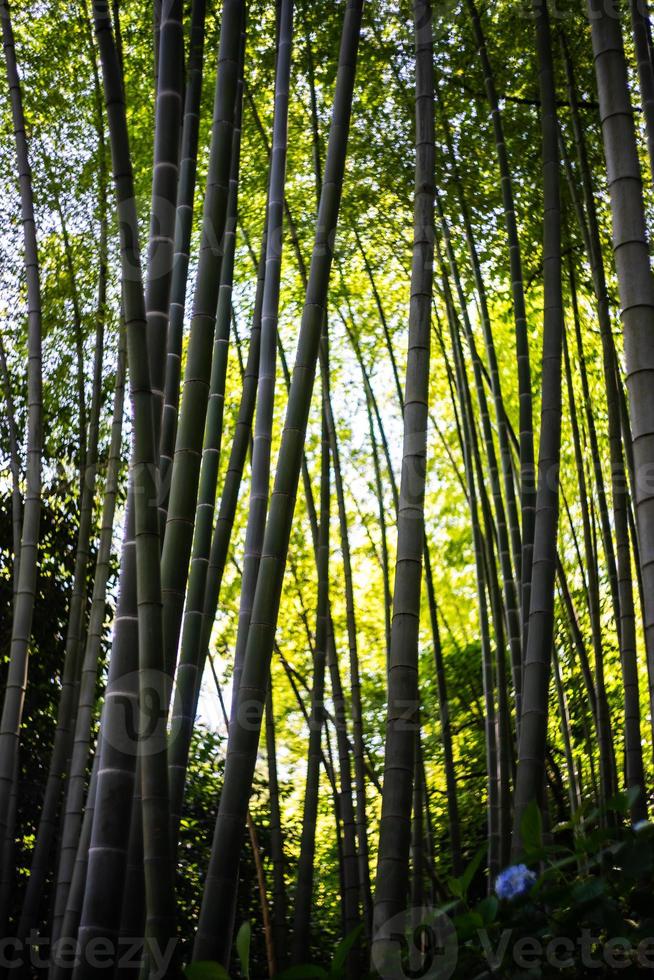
343,948
243,940
206,970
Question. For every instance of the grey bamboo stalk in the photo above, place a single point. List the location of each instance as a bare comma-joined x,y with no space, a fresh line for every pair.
631,251
343,798
168,116
78,335
66,709
263,424
21,625
640,30
193,654
68,702
607,765
613,384
417,836
14,465
97,917
402,717
578,641
533,724
73,806
355,679
185,472
527,467
280,902
446,728
89,655
193,611
467,420
564,713
512,614
182,245
355,877
68,926
213,939
491,354
350,902
603,317
256,854
305,873
8,874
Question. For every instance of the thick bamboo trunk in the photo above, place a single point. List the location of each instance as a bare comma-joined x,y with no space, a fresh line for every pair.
640,29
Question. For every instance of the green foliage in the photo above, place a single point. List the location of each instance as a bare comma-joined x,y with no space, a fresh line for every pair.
590,900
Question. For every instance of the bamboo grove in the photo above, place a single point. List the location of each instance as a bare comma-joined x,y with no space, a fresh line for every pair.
327,500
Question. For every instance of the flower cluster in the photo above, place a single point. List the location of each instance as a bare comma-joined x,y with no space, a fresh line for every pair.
514,881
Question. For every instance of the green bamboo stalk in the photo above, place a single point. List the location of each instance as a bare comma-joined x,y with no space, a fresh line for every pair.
185,473
574,792
590,234
195,643
305,872
487,664
527,467
402,717
354,870
59,970
355,678
165,172
446,727
14,464
21,626
193,612
491,354
76,784
263,425
182,244
280,902
77,333
213,939
512,611
605,738
533,724
58,769
99,917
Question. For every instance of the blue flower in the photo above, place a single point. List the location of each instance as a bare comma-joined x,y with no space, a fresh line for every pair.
641,825
514,881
